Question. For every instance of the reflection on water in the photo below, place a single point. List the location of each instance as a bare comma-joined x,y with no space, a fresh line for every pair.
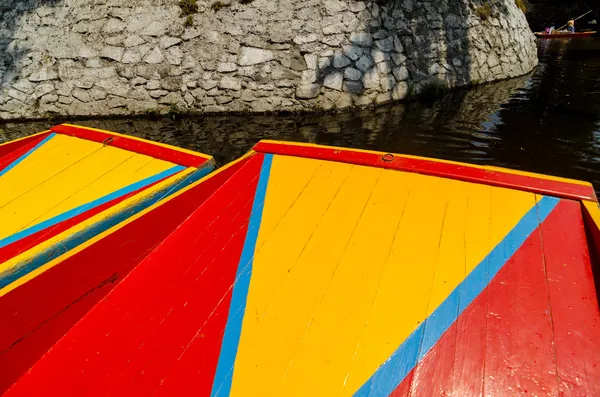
547,122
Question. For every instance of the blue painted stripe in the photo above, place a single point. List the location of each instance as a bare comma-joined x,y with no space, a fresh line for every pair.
233,329
387,377
88,206
24,156
76,239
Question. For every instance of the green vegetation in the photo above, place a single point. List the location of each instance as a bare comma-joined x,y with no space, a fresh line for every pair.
521,4
217,5
173,109
484,11
188,7
152,114
432,91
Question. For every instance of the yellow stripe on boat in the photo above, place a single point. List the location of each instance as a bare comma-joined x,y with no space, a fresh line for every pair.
65,173
112,211
310,257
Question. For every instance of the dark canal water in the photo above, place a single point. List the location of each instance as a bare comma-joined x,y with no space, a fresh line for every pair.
546,122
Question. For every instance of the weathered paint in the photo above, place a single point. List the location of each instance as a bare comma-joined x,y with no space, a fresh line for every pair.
573,301
185,280
8,148
61,193
156,150
300,276
76,177
521,336
23,244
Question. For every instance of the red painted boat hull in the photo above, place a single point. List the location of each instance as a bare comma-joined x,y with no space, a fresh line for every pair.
542,35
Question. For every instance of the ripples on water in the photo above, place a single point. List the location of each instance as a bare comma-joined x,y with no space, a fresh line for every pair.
547,122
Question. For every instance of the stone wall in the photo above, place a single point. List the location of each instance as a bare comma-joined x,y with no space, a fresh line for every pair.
105,57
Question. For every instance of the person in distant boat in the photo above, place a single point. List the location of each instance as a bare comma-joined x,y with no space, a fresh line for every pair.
571,26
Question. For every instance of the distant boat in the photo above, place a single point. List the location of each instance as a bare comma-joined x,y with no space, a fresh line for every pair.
543,35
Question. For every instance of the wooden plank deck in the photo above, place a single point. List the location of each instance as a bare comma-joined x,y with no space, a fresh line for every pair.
58,189
299,276
53,181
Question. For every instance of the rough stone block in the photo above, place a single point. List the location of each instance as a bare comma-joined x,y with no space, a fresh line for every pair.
307,91
18,95
365,63
336,28
114,25
380,56
352,52
84,83
230,83
174,55
362,39
311,60
309,38
44,74
357,6
158,93
171,83
384,68
82,95
49,98
131,56
387,83
155,56
167,41
114,53
401,73
386,44
383,98
133,41
340,60
371,79
334,81
335,6
352,74
253,56
400,91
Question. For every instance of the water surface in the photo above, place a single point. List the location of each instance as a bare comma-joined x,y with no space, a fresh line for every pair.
546,122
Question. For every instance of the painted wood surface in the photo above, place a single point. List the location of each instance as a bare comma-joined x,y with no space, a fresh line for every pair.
495,176
58,193
9,148
302,276
77,179
156,150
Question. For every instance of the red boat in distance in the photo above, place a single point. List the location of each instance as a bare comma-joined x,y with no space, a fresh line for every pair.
544,35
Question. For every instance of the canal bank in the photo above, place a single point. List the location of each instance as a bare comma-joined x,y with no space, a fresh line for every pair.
547,122
90,58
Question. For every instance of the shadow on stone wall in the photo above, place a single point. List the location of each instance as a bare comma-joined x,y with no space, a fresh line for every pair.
403,128
404,48
14,55
268,55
